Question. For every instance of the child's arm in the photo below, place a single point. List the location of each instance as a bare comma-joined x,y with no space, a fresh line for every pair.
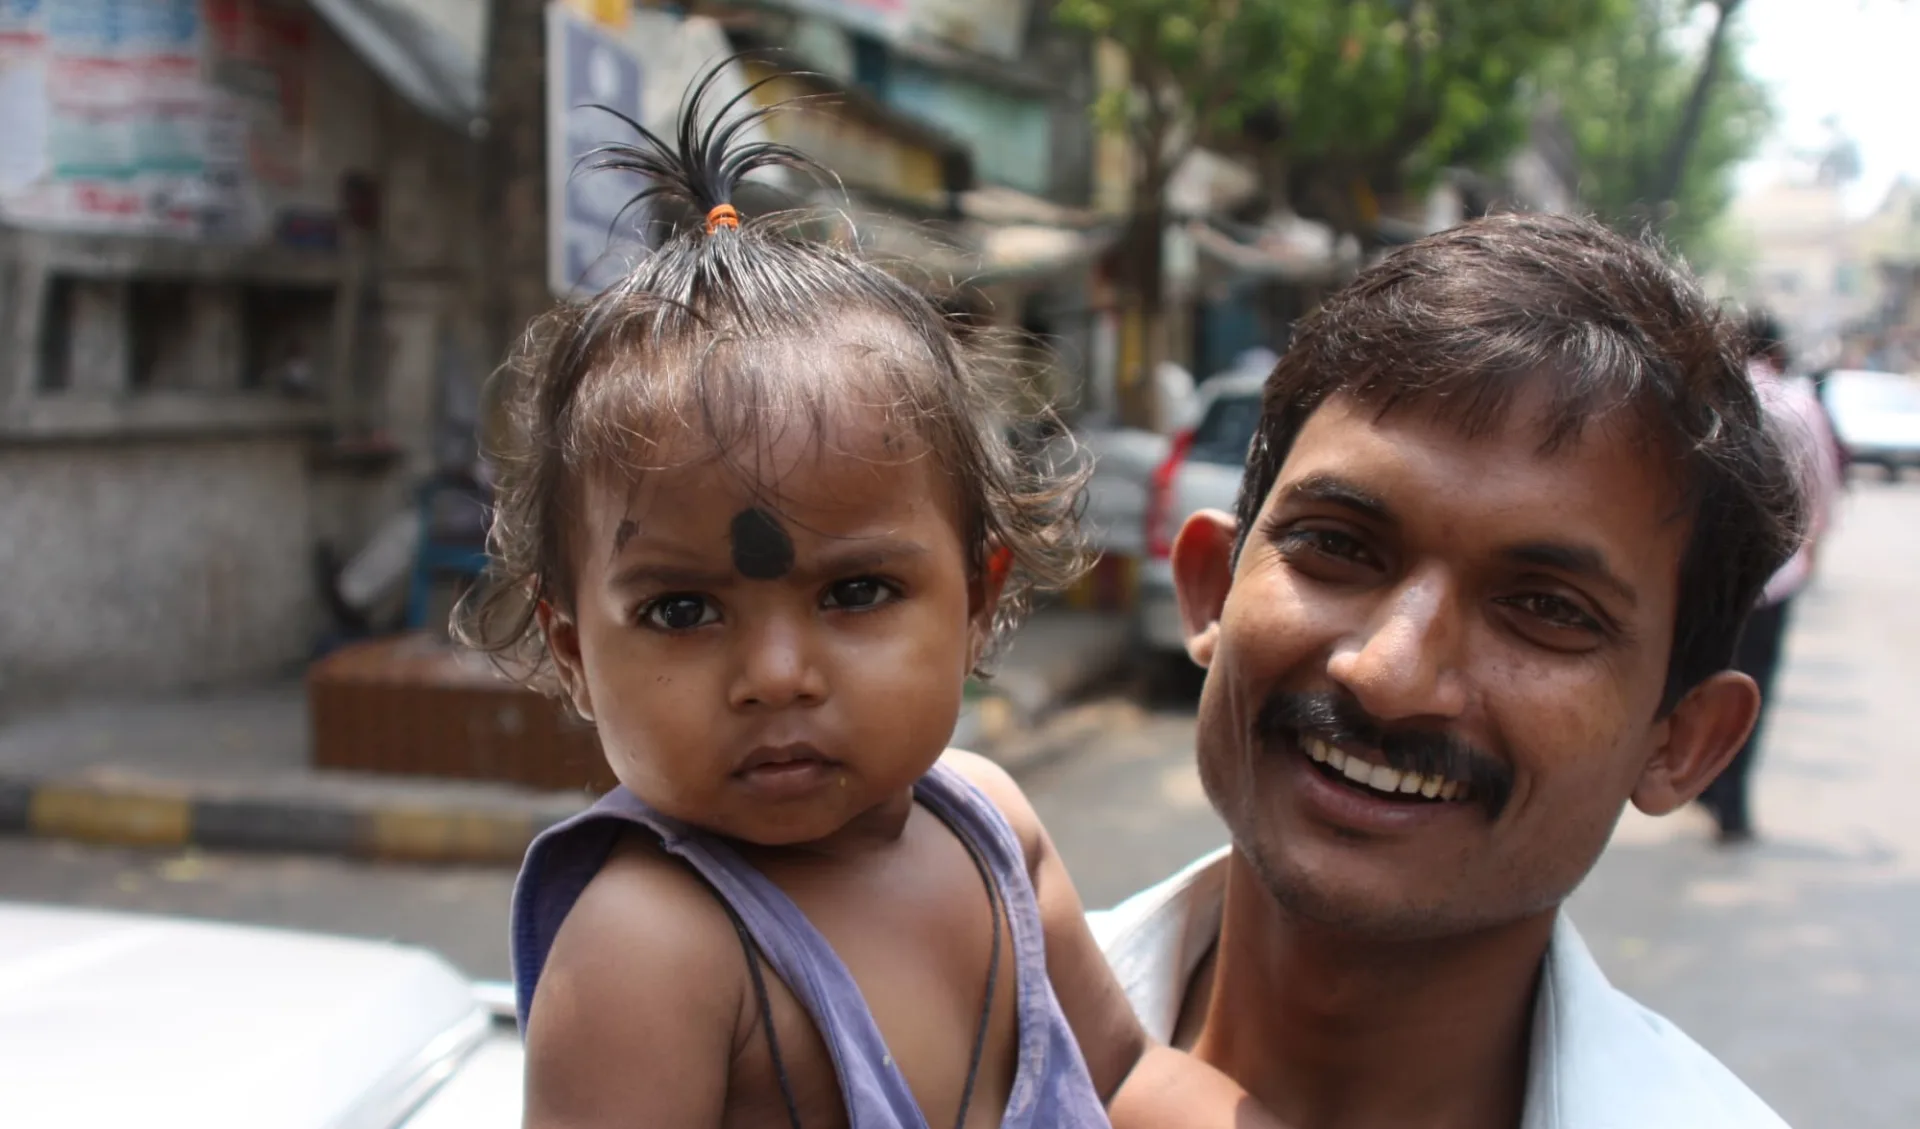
1170,1088
1142,1083
638,1010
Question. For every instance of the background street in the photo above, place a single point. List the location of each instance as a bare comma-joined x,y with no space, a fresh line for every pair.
1792,960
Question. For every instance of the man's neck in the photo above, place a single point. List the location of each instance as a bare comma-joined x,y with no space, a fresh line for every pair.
1330,1031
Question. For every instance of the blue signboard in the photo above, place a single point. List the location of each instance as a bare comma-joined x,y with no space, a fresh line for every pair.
594,236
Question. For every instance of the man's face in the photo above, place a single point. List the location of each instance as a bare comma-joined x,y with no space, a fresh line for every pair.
1492,618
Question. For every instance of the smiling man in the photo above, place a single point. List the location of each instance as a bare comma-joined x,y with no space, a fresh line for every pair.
1511,499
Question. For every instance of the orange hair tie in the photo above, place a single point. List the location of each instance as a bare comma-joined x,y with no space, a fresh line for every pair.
722,215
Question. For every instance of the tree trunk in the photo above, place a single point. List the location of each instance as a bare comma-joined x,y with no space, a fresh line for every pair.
514,172
1146,269
1673,168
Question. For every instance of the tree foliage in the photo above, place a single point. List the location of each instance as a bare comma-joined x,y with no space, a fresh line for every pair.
1623,93
1194,67
1373,98
1345,102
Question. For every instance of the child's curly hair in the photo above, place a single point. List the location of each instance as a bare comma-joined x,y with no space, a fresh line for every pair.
710,334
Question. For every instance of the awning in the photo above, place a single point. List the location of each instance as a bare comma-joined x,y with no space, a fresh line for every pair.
425,63
1032,252
1287,249
1206,183
946,256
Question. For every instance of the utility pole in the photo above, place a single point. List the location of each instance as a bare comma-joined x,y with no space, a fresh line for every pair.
514,172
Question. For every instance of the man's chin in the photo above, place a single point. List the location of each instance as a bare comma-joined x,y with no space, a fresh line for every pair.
1351,889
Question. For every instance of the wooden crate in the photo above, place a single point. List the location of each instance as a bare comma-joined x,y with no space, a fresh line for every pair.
416,705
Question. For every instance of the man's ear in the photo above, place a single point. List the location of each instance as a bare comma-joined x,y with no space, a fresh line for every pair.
1202,574
1702,734
563,643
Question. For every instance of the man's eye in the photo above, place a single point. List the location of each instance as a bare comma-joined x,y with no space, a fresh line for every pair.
679,613
1329,543
859,593
1555,611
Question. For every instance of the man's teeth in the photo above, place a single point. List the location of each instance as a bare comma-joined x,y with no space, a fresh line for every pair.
1379,777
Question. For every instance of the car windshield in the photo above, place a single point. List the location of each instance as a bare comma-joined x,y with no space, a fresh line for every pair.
1226,431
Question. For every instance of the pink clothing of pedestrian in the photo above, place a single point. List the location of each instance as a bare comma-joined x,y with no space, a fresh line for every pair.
1796,412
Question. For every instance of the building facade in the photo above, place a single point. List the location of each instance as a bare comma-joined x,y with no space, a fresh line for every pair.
215,356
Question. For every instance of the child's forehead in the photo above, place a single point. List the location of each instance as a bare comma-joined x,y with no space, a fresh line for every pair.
843,442
833,474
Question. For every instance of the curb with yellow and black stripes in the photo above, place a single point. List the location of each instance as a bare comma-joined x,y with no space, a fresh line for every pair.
156,814
163,814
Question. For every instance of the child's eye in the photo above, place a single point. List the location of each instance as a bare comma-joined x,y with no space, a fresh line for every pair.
679,613
861,592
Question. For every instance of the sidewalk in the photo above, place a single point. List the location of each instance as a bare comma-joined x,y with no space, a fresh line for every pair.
1796,960
230,770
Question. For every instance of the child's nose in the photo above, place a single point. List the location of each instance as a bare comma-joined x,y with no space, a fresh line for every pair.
778,668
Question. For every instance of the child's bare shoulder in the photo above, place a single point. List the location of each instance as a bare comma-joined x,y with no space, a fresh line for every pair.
1001,788
640,999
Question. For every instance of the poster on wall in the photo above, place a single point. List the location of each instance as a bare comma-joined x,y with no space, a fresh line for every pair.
257,57
23,96
593,235
150,116
160,51
102,106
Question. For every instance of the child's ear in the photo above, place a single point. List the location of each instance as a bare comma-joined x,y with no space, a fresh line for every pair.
563,643
983,599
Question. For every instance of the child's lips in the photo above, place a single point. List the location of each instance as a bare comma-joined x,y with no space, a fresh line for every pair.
783,758
786,771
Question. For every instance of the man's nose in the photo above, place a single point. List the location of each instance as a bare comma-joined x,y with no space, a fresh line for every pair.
1405,663
778,666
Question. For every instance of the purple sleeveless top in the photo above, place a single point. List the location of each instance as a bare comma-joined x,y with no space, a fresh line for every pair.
1051,1086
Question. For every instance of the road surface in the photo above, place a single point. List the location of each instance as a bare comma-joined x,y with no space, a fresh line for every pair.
1797,961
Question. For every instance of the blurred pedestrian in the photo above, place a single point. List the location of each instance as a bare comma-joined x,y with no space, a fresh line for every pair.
1794,408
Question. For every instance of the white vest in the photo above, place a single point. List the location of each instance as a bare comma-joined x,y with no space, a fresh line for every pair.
1599,1060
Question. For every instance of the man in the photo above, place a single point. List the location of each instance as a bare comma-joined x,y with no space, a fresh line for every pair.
1796,412
1511,498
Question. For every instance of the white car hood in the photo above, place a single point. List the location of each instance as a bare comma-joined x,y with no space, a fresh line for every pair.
112,1020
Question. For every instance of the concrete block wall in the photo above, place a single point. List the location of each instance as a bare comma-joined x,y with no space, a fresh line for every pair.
151,566
157,531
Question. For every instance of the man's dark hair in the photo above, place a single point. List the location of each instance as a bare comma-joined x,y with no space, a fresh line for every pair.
1459,323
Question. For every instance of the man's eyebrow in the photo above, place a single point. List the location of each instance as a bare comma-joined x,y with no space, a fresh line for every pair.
1576,560
1334,490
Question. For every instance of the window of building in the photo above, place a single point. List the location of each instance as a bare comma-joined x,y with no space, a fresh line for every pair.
160,329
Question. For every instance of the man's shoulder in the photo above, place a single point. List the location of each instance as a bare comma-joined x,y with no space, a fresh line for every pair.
1602,1059
1155,939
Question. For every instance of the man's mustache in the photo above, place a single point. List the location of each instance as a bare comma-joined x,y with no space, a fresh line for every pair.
1338,720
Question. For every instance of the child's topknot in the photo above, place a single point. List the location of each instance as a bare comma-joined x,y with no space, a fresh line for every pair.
705,165
737,331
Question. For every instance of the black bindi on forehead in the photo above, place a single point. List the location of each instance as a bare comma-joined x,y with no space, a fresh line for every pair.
761,548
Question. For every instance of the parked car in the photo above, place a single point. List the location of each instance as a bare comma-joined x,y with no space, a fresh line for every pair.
1201,470
1876,417
110,1020
1120,462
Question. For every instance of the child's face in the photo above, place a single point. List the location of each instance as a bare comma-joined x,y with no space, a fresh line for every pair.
771,668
